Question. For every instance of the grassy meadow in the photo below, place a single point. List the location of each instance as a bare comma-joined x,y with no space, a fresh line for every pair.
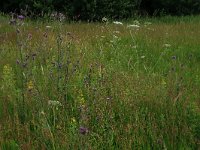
100,85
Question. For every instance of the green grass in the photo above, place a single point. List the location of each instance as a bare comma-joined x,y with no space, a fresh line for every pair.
125,89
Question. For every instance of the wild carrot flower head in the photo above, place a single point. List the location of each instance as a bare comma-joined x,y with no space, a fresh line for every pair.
54,103
118,23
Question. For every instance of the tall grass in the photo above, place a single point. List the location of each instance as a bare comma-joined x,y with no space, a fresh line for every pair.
100,86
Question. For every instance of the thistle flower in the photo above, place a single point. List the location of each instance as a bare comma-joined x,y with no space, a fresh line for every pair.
83,130
20,17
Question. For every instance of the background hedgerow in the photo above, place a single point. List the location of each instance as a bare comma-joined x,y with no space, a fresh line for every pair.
130,85
93,10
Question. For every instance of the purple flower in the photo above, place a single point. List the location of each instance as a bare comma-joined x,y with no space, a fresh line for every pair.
83,130
20,17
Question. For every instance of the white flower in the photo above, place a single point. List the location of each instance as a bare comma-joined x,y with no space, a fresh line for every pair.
115,37
48,27
167,45
134,46
142,57
133,26
54,103
118,23
104,19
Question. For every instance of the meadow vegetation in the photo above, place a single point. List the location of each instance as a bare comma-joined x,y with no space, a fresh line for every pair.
104,85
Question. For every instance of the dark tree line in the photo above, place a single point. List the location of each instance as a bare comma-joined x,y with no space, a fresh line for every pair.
96,9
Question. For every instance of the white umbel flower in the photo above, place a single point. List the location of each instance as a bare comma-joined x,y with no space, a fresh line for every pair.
118,23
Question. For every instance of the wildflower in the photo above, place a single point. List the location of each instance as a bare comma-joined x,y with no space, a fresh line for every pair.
115,37
42,113
30,85
118,23
134,46
83,130
73,120
167,45
20,17
61,17
7,69
133,26
104,19
54,103
142,57
48,27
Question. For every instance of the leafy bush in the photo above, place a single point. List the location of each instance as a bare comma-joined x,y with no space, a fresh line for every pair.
172,7
96,9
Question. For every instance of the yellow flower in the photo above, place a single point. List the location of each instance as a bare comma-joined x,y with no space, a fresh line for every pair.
30,85
7,70
73,120
81,99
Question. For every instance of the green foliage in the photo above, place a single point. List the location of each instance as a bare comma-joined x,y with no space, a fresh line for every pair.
97,9
173,7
